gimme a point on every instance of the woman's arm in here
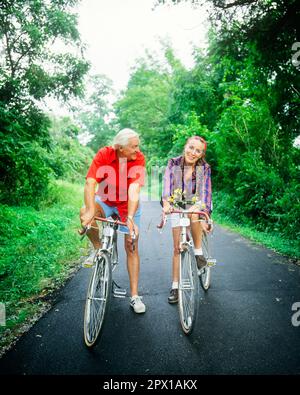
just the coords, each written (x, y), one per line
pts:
(167, 182)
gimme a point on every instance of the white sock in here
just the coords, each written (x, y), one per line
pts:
(198, 251)
(175, 285)
(134, 296)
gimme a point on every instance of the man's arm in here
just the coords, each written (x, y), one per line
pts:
(89, 200)
(133, 198)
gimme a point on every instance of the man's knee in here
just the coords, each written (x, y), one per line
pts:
(128, 246)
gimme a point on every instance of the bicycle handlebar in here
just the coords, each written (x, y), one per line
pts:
(82, 232)
(112, 221)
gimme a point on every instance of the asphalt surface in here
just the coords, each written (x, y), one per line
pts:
(244, 324)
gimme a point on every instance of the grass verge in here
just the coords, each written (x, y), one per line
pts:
(39, 250)
(224, 214)
(273, 241)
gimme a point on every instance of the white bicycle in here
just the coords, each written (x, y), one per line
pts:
(101, 284)
(188, 290)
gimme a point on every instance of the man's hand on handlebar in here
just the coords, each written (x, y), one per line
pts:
(87, 217)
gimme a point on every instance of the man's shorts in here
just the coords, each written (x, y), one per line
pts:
(109, 210)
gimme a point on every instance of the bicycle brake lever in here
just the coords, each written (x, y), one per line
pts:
(162, 222)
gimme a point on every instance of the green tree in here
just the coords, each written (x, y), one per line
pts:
(144, 106)
(30, 71)
(30, 68)
(269, 28)
(94, 111)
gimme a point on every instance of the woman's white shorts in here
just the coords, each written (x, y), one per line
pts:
(174, 220)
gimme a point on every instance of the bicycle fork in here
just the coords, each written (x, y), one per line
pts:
(185, 243)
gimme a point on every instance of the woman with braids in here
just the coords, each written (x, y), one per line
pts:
(188, 177)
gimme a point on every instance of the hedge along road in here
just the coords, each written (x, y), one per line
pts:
(245, 323)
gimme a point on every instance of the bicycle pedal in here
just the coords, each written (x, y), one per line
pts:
(211, 262)
(87, 265)
(119, 293)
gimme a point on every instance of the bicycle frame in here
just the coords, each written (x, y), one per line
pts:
(109, 232)
(108, 239)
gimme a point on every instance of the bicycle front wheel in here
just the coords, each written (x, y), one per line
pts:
(205, 275)
(98, 299)
(188, 297)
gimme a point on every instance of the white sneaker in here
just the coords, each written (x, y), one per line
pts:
(137, 304)
(89, 262)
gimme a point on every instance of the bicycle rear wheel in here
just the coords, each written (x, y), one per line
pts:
(188, 291)
(205, 275)
(98, 299)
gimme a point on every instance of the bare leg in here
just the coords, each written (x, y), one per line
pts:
(133, 264)
(176, 253)
(197, 231)
(93, 234)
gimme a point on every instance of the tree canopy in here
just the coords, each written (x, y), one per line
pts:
(30, 71)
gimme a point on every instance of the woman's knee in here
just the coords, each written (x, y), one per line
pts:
(176, 250)
(194, 217)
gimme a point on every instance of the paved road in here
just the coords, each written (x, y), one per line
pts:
(244, 325)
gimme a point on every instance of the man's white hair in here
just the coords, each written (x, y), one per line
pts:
(122, 138)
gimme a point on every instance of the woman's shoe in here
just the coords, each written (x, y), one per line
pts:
(173, 298)
(201, 261)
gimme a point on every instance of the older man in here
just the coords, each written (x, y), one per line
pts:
(119, 173)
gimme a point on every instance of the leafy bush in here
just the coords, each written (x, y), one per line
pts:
(256, 187)
(260, 197)
(288, 210)
(27, 166)
(25, 172)
(69, 160)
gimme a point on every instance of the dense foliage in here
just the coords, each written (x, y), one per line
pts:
(243, 96)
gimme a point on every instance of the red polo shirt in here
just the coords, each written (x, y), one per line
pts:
(114, 176)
